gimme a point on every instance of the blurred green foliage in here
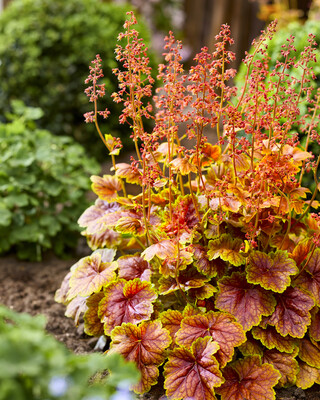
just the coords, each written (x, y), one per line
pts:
(43, 184)
(35, 366)
(45, 51)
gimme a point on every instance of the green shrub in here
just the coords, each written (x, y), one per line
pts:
(43, 182)
(45, 49)
(35, 366)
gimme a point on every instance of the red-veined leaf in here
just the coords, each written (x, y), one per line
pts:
(249, 379)
(285, 363)
(92, 324)
(90, 275)
(126, 301)
(164, 249)
(247, 302)
(270, 338)
(272, 271)
(251, 346)
(183, 166)
(171, 320)
(130, 225)
(187, 279)
(194, 373)
(131, 267)
(301, 251)
(227, 248)
(309, 352)
(291, 315)
(307, 375)
(145, 345)
(201, 261)
(222, 327)
(310, 277)
(204, 292)
(106, 187)
(314, 328)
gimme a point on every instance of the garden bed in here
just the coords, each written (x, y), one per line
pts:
(30, 287)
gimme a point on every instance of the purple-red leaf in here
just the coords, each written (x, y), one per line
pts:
(222, 327)
(247, 302)
(145, 345)
(292, 313)
(164, 249)
(249, 379)
(131, 267)
(126, 301)
(272, 271)
(270, 338)
(193, 373)
(285, 363)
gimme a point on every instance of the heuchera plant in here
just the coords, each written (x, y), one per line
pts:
(214, 268)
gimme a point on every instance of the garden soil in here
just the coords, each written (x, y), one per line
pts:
(30, 287)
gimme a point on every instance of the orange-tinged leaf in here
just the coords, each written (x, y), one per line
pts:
(201, 261)
(297, 155)
(222, 327)
(251, 347)
(203, 292)
(291, 315)
(307, 375)
(163, 249)
(301, 251)
(187, 279)
(106, 187)
(247, 302)
(194, 373)
(249, 379)
(145, 345)
(183, 166)
(126, 301)
(270, 338)
(310, 277)
(272, 271)
(90, 275)
(134, 266)
(130, 225)
(171, 320)
(227, 248)
(285, 363)
(92, 324)
(129, 173)
(309, 352)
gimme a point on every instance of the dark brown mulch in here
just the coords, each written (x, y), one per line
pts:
(30, 287)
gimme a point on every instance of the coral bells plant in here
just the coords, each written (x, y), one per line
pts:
(211, 272)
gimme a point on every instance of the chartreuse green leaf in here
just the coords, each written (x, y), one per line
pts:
(126, 301)
(247, 302)
(193, 373)
(285, 363)
(272, 271)
(249, 379)
(227, 248)
(222, 327)
(292, 313)
(310, 277)
(145, 345)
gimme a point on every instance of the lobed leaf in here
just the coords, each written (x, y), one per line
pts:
(314, 328)
(187, 279)
(201, 261)
(249, 379)
(164, 249)
(126, 301)
(106, 187)
(171, 320)
(222, 327)
(285, 363)
(291, 315)
(130, 174)
(309, 352)
(145, 345)
(92, 323)
(90, 275)
(307, 375)
(247, 302)
(134, 266)
(227, 248)
(301, 251)
(193, 373)
(270, 338)
(310, 277)
(272, 271)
